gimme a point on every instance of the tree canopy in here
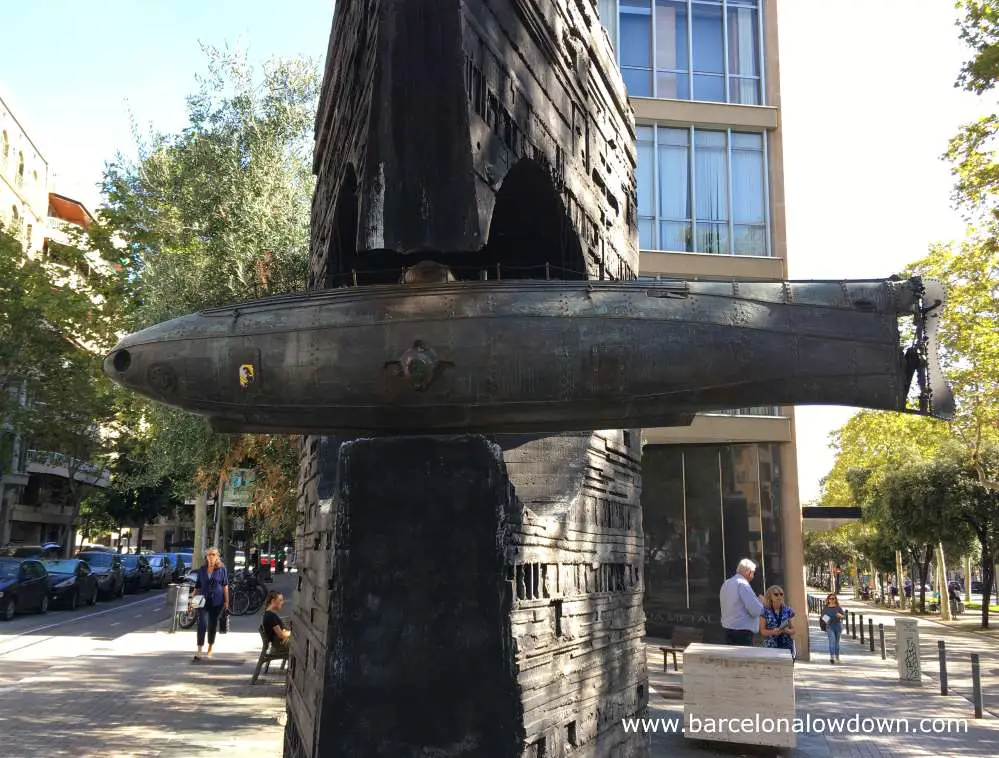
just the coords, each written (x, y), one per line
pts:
(922, 482)
(214, 214)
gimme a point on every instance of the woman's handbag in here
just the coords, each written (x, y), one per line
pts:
(224, 621)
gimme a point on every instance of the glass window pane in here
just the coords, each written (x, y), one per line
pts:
(676, 236)
(674, 182)
(705, 560)
(772, 501)
(708, 39)
(645, 178)
(636, 38)
(664, 522)
(608, 17)
(671, 136)
(743, 42)
(638, 81)
(710, 176)
(743, 90)
(750, 240)
(748, 187)
(741, 510)
(709, 138)
(712, 238)
(709, 87)
(672, 86)
(671, 35)
(644, 132)
(745, 140)
(646, 233)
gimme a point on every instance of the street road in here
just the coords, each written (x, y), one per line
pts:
(33, 642)
(111, 680)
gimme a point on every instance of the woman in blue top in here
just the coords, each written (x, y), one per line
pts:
(775, 623)
(833, 616)
(213, 583)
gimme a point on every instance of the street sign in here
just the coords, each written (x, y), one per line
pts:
(239, 488)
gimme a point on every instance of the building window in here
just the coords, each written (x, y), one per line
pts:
(4, 147)
(702, 191)
(688, 49)
(20, 169)
(705, 507)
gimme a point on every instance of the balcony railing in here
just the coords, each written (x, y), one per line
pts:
(65, 463)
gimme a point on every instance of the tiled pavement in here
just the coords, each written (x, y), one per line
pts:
(862, 685)
(141, 695)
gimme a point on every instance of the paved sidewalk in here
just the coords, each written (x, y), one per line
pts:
(142, 695)
(862, 685)
(960, 641)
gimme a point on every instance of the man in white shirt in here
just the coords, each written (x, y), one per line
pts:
(741, 608)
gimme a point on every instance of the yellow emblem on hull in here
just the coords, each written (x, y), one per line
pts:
(246, 375)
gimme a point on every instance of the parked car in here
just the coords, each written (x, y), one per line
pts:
(107, 569)
(39, 552)
(97, 549)
(71, 582)
(24, 586)
(138, 574)
(177, 563)
(161, 570)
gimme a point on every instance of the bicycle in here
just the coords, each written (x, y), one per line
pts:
(247, 595)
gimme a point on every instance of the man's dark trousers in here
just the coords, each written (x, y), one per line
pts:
(742, 637)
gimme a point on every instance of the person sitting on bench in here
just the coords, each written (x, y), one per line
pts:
(280, 638)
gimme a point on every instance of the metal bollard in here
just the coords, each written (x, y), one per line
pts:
(861, 628)
(942, 655)
(853, 625)
(881, 634)
(870, 633)
(976, 685)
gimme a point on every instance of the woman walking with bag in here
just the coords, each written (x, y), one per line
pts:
(831, 622)
(213, 584)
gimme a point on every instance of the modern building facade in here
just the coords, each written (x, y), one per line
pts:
(703, 81)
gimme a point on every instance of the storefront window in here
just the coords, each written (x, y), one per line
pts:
(705, 507)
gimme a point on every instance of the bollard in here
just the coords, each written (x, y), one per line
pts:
(861, 628)
(942, 655)
(853, 625)
(976, 685)
(881, 634)
(870, 633)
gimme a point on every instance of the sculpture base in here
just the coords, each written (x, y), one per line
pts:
(417, 654)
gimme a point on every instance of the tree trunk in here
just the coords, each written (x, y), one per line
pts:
(967, 579)
(138, 539)
(988, 576)
(943, 584)
(924, 571)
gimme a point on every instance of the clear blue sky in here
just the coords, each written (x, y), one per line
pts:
(867, 98)
(73, 71)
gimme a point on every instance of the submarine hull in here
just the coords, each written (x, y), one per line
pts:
(526, 356)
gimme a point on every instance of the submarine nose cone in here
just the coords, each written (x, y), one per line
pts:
(117, 364)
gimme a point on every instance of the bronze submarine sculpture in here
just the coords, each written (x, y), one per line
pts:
(534, 356)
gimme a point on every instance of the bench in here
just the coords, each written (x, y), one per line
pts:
(268, 654)
(728, 690)
(682, 636)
